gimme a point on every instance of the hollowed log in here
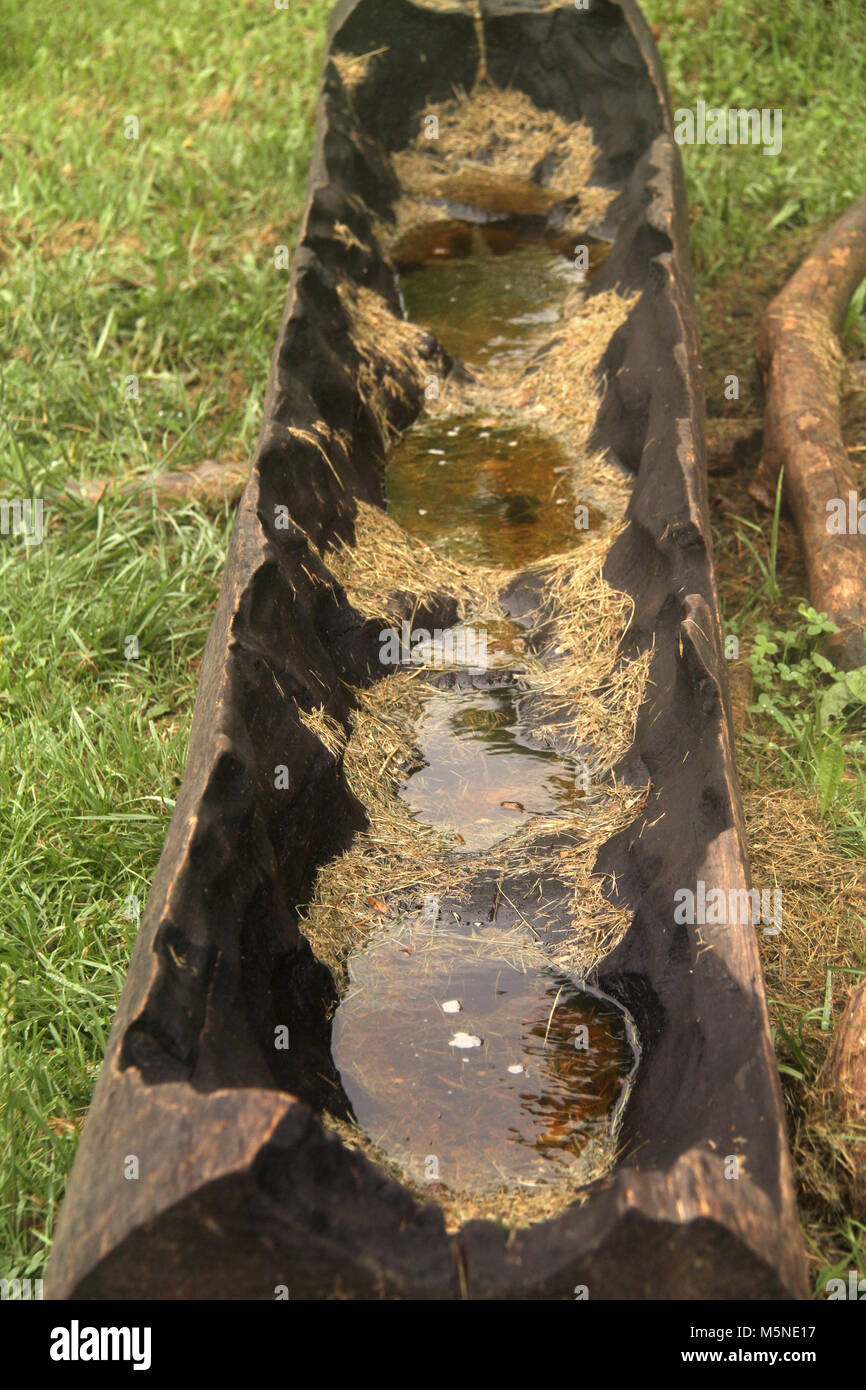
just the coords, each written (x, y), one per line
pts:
(241, 1189)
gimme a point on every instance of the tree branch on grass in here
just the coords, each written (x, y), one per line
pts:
(801, 362)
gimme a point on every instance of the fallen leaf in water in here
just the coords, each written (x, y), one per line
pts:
(513, 805)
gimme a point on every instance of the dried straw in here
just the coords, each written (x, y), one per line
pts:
(488, 152)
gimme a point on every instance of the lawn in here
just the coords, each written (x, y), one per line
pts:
(141, 302)
(153, 259)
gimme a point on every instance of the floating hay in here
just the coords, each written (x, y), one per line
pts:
(580, 695)
(585, 699)
(398, 862)
(386, 561)
(562, 383)
(488, 151)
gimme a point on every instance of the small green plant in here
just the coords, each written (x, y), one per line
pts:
(767, 567)
(849, 688)
(828, 771)
(806, 697)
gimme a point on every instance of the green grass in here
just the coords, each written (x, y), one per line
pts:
(153, 258)
(91, 748)
(805, 57)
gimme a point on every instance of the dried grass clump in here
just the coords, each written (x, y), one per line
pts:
(489, 145)
(810, 969)
(329, 731)
(587, 700)
(390, 351)
(396, 858)
(562, 384)
(353, 68)
(385, 560)
(791, 849)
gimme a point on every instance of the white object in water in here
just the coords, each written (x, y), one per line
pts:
(452, 1006)
(465, 1040)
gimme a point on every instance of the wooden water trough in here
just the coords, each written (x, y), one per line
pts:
(205, 1168)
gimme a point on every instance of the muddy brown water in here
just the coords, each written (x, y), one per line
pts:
(482, 776)
(467, 1058)
(473, 1067)
(483, 492)
(488, 308)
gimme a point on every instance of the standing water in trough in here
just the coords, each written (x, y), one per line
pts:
(489, 309)
(484, 489)
(483, 493)
(482, 775)
(468, 1057)
(477, 1054)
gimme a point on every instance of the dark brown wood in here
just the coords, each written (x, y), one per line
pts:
(240, 1186)
(801, 362)
(847, 1082)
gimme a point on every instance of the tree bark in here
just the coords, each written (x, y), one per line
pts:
(801, 362)
(209, 482)
(848, 1083)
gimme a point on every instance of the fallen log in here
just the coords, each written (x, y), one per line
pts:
(801, 363)
(210, 483)
(206, 1168)
(847, 1085)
